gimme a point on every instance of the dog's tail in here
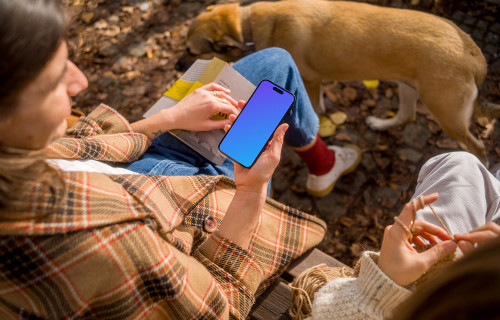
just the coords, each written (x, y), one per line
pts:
(486, 108)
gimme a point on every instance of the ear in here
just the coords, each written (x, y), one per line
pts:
(227, 41)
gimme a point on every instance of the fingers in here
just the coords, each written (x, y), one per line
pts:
(427, 229)
(480, 234)
(215, 87)
(220, 92)
(276, 143)
(466, 246)
(490, 226)
(407, 216)
(408, 211)
(226, 108)
(241, 104)
(437, 252)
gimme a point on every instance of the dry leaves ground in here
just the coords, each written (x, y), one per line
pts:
(128, 50)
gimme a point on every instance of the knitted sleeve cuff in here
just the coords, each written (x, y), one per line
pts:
(372, 295)
(381, 292)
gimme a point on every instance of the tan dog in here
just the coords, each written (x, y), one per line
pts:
(430, 57)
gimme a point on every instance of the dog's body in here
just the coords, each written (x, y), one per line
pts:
(430, 57)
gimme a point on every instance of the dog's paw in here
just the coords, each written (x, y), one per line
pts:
(380, 124)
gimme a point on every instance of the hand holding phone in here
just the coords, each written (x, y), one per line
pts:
(256, 123)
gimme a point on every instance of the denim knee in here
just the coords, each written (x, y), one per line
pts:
(278, 57)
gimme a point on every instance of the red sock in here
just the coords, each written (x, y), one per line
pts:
(319, 159)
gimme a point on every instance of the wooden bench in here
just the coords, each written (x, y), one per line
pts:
(276, 300)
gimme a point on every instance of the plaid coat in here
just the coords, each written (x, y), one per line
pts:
(133, 246)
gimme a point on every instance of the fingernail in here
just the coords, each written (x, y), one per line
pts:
(450, 246)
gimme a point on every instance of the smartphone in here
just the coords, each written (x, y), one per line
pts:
(268, 105)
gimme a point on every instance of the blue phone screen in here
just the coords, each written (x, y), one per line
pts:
(256, 123)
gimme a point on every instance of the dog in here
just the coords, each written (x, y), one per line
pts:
(428, 56)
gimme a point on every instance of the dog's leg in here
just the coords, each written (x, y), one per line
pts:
(452, 105)
(313, 89)
(408, 97)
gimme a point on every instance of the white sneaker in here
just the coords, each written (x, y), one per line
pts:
(346, 160)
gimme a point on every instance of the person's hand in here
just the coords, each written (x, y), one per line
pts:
(468, 241)
(262, 170)
(399, 260)
(245, 209)
(194, 112)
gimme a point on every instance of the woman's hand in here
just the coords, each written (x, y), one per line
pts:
(402, 263)
(194, 112)
(243, 213)
(262, 170)
(468, 241)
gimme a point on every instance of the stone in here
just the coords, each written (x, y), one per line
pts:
(416, 135)
(458, 16)
(368, 162)
(408, 154)
(291, 199)
(386, 196)
(108, 49)
(331, 205)
(138, 49)
(492, 38)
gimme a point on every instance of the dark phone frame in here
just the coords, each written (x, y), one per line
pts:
(275, 88)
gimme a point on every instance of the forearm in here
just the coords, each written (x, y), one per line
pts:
(155, 125)
(243, 215)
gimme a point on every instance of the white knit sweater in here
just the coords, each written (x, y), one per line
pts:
(372, 295)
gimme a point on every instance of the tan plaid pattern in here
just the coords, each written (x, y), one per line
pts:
(133, 246)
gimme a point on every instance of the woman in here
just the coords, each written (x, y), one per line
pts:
(88, 244)
(469, 206)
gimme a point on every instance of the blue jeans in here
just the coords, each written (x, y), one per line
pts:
(168, 156)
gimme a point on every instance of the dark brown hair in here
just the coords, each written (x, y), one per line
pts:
(30, 33)
(467, 289)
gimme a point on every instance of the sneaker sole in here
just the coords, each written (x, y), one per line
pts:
(324, 192)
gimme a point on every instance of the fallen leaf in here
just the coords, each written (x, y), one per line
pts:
(489, 129)
(333, 96)
(372, 238)
(371, 84)
(150, 53)
(363, 220)
(297, 188)
(415, 2)
(342, 136)
(87, 17)
(433, 127)
(369, 102)
(128, 9)
(326, 127)
(483, 121)
(346, 221)
(389, 93)
(356, 250)
(338, 118)
(350, 93)
(340, 247)
(447, 143)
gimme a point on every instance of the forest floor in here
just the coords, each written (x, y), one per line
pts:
(128, 50)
